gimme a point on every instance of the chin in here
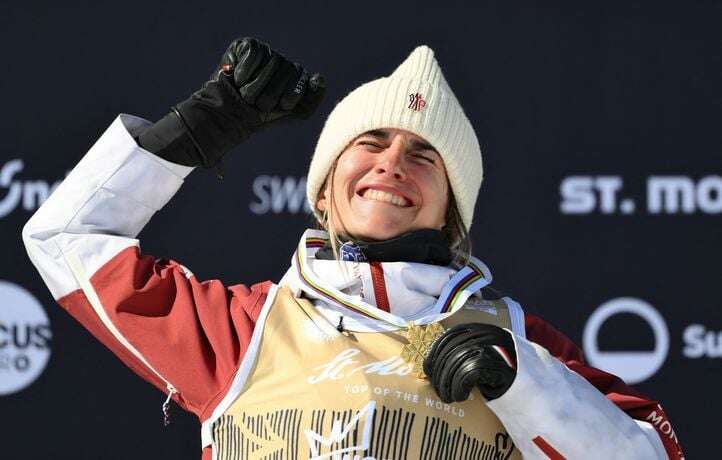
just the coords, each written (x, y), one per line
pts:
(377, 222)
(380, 231)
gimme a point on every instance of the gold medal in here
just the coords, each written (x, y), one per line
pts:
(420, 340)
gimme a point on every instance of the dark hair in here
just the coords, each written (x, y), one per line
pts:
(456, 233)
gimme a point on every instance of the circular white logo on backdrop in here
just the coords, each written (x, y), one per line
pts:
(631, 366)
(24, 338)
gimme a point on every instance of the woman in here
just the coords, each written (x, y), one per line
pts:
(384, 339)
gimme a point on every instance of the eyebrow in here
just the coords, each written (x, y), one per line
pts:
(415, 144)
(377, 133)
(423, 145)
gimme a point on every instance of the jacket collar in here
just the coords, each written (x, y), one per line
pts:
(417, 292)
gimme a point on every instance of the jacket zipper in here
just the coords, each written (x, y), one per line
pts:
(166, 404)
(78, 270)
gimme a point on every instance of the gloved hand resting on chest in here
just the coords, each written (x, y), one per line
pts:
(469, 355)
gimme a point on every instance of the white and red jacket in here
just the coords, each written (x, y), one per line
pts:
(189, 337)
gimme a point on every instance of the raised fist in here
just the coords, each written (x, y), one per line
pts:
(253, 88)
(268, 81)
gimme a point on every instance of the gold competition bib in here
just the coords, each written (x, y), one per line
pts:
(315, 393)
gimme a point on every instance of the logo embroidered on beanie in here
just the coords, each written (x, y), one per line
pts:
(416, 102)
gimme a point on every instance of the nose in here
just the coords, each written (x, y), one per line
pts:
(391, 162)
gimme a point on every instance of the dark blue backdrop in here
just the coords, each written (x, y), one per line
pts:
(601, 140)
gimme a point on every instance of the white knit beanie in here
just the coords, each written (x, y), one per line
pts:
(416, 98)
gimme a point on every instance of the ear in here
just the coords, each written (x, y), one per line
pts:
(321, 201)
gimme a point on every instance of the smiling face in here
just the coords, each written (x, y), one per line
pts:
(387, 182)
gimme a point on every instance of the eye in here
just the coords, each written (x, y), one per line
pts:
(370, 144)
(423, 157)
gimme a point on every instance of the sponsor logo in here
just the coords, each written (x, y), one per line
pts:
(587, 194)
(277, 195)
(701, 343)
(680, 195)
(660, 421)
(28, 194)
(664, 195)
(416, 102)
(632, 366)
(25, 337)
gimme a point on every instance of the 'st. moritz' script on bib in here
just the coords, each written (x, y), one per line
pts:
(343, 365)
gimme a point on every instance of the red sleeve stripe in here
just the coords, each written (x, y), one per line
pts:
(545, 447)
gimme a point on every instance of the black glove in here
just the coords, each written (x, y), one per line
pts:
(469, 355)
(254, 87)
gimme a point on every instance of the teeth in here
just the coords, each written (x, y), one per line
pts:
(386, 197)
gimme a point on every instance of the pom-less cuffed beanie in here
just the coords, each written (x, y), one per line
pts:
(416, 98)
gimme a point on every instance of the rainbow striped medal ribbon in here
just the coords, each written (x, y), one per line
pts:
(421, 332)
